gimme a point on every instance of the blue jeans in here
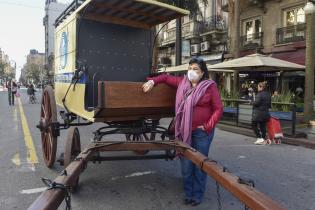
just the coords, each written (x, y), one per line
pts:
(194, 178)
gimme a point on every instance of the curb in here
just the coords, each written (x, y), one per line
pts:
(286, 140)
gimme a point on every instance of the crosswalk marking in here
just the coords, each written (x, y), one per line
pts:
(31, 152)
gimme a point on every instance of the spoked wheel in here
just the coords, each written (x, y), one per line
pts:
(72, 150)
(48, 115)
(143, 137)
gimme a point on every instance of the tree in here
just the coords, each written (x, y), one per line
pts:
(2, 67)
(31, 73)
(191, 5)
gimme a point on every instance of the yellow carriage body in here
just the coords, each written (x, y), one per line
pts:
(113, 39)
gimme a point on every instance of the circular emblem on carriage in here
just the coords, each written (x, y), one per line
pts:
(63, 50)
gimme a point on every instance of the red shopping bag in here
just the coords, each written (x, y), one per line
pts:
(17, 95)
(274, 128)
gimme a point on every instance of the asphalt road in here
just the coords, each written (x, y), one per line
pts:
(285, 173)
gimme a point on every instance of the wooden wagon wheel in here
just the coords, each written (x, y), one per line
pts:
(48, 114)
(72, 150)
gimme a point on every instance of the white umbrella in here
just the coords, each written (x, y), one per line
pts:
(257, 62)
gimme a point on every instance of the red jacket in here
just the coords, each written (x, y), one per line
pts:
(208, 110)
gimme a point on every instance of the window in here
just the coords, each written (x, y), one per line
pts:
(252, 28)
(294, 17)
(293, 26)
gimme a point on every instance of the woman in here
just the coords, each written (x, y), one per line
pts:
(198, 109)
(261, 115)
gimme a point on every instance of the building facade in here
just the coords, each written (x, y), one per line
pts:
(204, 35)
(34, 69)
(34, 57)
(273, 27)
(53, 9)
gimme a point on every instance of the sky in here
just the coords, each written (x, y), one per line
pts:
(21, 28)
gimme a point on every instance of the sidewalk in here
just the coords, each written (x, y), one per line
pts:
(308, 142)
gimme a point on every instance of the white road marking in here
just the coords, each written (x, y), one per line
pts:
(241, 157)
(32, 191)
(140, 174)
(133, 175)
(16, 159)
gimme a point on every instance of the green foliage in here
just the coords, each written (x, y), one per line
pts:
(2, 68)
(227, 98)
(191, 5)
(31, 72)
(288, 97)
(6, 71)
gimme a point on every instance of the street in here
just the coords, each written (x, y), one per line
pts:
(283, 172)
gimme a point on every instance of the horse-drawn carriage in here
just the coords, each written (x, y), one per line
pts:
(103, 54)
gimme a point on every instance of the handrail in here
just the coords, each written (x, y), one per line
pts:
(291, 33)
(252, 41)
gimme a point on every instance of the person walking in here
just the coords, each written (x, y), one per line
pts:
(31, 94)
(198, 108)
(261, 114)
(12, 89)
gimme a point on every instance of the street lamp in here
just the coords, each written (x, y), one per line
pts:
(309, 10)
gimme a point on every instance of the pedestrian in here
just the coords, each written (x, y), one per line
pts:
(12, 89)
(31, 94)
(198, 109)
(261, 115)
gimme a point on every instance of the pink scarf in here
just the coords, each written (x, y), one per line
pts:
(186, 98)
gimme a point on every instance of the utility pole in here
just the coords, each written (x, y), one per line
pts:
(236, 41)
(178, 43)
(309, 60)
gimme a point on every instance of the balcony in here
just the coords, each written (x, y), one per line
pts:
(214, 23)
(191, 29)
(168, 37)
(252, 41)
(290, 34)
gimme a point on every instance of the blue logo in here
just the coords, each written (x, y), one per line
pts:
(63, 50)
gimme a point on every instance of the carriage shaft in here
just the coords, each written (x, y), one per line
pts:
(51, 199)
(252, 198)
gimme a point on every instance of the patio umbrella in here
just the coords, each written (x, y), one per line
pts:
(257, 62)
(184, 67)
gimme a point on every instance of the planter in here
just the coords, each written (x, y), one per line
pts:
(245, 113)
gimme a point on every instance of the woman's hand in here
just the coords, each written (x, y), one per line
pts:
(146, 87)
(201, 127)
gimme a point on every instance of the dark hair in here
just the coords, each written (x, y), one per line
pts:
(262, 85)
(202, 65)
